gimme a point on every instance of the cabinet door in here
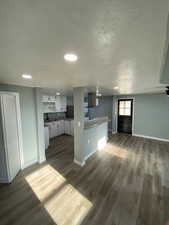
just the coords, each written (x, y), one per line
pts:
(58, 104)
(53, 130)
(46, 134)
(62, 127)
(64, 103)
(52, 98)
(72, 128)
(48, 99)
(44, 98)
(59, 132)
(67, 127)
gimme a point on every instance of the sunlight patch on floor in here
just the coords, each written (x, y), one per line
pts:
(115, 151)
(64, 203)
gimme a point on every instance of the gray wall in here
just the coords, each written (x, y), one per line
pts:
(93, 138)
(104, 109)
(78, 96)
(28, 116)
(151, 116)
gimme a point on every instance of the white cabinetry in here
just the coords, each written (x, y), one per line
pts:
(60, 127)
(46, 133)
(51, 127)
(72, 127)
(54, 103)
(58, 104)
(47, 98)
(55, 129)
(63, 103)
(67, 127)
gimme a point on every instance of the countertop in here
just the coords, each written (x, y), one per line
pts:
(87, 124)
(50, 121)
(95, 122)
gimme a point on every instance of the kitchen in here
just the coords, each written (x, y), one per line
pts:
(58, 114)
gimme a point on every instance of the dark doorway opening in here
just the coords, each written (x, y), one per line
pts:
(125, 115)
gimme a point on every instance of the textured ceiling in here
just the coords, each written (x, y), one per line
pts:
(119, 43)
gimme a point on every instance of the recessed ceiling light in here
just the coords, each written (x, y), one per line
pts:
(27, 76)
(116, 88)
(57, 93)
(70, 57)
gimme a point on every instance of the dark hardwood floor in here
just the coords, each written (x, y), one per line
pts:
(127, 183)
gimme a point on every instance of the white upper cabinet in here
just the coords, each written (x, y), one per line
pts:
(54, 103)
(63, 103)
(58, 103)
(47, 98)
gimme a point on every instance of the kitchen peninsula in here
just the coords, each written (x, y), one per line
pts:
(95, 136)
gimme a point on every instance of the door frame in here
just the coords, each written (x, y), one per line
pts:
(116, 112)
(19, 123)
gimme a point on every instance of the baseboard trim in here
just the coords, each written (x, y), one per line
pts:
(150, 137)
(90, 154)
(4, 181)
(42, 160)
(30, 163)
(79, 163)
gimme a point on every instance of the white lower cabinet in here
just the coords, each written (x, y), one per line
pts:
(72, 127)
(56, 129)
(67, 127)
(50, 125)
(60, 127)
(46, 133)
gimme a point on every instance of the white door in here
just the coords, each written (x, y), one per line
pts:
(11, 135)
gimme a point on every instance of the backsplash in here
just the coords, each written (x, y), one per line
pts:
(53, 116)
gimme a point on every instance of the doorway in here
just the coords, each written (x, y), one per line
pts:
(125, 116)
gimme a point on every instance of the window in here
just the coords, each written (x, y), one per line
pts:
(125, 108)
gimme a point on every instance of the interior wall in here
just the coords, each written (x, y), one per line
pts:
(28, 117)
(151, 115)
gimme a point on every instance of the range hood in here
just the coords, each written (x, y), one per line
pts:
(92, 100)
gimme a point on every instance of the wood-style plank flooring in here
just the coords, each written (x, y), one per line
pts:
(127, 183)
